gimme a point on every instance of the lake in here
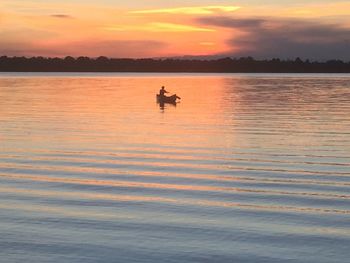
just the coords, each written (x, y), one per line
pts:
(246, 168)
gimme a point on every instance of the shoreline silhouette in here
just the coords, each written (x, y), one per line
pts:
(221, 65)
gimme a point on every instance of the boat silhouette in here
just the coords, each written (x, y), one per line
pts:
(167, 99)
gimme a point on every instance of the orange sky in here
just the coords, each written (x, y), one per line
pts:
(155, 29)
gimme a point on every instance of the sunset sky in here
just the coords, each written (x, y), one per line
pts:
(315, 29)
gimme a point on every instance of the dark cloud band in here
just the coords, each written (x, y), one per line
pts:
(285, 38)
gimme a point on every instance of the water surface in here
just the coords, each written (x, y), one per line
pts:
(246, 168)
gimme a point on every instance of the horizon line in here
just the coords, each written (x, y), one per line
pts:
(185, 57)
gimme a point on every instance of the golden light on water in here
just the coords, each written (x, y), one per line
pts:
(93, 157)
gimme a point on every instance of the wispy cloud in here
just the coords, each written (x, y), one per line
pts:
(285, 38)
(160, 27)
(61, 16)
(194, 10)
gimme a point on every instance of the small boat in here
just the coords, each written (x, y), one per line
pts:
(167, 99)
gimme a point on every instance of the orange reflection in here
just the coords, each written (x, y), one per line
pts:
(111, 110)
(135, 198)
(181, 187)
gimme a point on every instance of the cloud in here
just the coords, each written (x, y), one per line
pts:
(109, 48)
(222, 21)
(285, 38)
(194, 10)
(159, 27)
(61, 16)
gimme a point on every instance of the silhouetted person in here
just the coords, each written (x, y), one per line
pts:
(162, 91)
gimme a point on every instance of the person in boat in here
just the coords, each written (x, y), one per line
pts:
(162, 92)
(164, 98)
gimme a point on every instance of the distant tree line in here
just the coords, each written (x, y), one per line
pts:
(224, 65)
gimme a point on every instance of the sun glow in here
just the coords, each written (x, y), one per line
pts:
(137, 30)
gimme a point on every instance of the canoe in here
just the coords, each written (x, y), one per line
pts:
(167, 99)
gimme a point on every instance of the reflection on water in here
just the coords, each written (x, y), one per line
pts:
(162, 104)
(246, 168)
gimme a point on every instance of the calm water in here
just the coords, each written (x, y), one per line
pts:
(247, 168)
